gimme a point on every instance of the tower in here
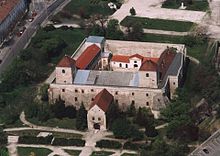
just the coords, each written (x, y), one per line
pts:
(65, 70)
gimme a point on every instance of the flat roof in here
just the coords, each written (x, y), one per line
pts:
(107, 78)
(95, 39)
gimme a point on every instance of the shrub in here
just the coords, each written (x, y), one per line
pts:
(68, 142)
(35, 140)
(132, 11)
(108, 144)
(131, 146)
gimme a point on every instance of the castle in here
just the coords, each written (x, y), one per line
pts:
(140, 73)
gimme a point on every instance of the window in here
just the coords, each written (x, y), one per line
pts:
(126, 65)
(116, 93)
(93, 118)
(147, 94)
(116, 100)
(135, 65)
(82, 91)
(76, 90)
(158, 100)
(92, 90)
(76, 99)
(63, 71)
(92, 99)
(132, 102)
(120, 65)
(64, 81)
(147, 74)
(147, 103)
(132, 94)
(135, 61)
(63, 90)
(174, 83)
(99, 118)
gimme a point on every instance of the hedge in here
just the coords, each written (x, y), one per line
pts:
(108, 144)
(35, 140)
(131, 146)
(68, 142)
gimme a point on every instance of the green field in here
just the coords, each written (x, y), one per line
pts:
(158, 24)
(54, 122)
(202, 5)
(86, 8)
(27, 151)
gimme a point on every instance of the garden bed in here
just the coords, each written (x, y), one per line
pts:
(159, 24)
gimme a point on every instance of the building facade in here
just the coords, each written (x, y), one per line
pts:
(10, 12)
(147, 82)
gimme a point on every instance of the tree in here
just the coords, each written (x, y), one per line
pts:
(131, 110)
(132, 11)
(81, 118)
(150, 131)
(135, 31)
(113, 30)
(58, 108)
(3, 138)
(122, 128)
(112, 113)
(181, 126)
(44, 92)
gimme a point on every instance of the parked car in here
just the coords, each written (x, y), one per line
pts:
(30, 19)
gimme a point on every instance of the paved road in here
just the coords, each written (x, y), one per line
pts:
(32, 27)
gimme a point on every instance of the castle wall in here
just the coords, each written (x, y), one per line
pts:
(78, 94)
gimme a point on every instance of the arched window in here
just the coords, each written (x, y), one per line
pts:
(120, 65)
(135, 65)
(63, 71)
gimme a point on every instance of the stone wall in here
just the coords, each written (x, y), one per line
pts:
(78, 94)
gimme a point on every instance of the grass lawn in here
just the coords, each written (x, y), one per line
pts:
(73, 152)
(24, 133)
(128, 154)
(196, 5)
(86, 8)
(67, 135)
(101, 153)
(159, 24)
(27, 151)
(61, 123)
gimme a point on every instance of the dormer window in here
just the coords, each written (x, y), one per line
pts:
(63, 71)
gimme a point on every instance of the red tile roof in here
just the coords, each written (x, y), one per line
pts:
(120, 58)
(87, 56)
(66, 61)
(6, 6)
(166, 58)
(148, 65)
(137, 55)
(103, 99)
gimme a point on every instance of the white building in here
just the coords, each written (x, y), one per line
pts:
(96, 116)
